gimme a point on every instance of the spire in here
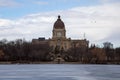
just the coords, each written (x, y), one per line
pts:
(58, 16)
(84, 36)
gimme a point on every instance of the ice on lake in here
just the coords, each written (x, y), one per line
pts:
(59, 72)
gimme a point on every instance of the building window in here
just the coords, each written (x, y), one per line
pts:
(59, 34)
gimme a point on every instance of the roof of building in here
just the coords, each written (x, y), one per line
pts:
(59, 24)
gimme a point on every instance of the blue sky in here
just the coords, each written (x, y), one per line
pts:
(98, 19)
(18, 8)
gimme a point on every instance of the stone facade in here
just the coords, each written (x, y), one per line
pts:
(59, 38)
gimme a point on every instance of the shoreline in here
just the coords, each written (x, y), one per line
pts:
(52, 62)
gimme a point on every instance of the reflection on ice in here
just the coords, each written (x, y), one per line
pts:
(59, 72)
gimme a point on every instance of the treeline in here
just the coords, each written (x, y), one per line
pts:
(95, 55)
(23, 51)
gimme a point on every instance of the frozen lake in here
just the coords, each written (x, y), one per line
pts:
(59, 72)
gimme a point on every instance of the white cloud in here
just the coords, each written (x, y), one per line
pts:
(8, 3)
(100, 23)
(5, 22)
(108, 1)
